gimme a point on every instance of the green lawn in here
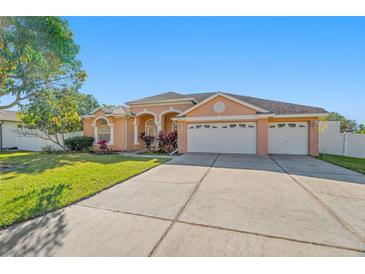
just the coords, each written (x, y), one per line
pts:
(355, 164)
(44, 182)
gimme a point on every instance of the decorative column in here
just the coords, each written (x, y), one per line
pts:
(135, 131)
(159, 127)
(111, 128)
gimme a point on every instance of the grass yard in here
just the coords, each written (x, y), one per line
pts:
(39, 183)
(355, 164)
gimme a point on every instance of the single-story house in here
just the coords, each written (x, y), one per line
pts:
(11, 137)
(211, 122)
(8, 126)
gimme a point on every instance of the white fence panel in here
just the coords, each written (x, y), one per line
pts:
(13, 138)
(331, 143)
(9, 134)
(356, 145)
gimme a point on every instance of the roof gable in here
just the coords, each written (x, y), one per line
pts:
(236, 107)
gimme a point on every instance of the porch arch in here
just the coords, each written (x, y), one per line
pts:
(170, 110)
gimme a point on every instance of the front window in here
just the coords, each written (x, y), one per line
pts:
(103, 130)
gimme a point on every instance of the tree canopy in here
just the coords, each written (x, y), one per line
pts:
(37, 54)
(55, 113)
(346, 125)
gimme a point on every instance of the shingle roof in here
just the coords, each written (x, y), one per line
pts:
(163, 96)
(118, 110)
(271, 106)
(278, 107)
(8, 115)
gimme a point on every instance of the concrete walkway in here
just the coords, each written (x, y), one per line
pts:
(209, 205)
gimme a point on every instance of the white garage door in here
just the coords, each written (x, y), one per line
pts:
(288, 138)
(222, 137)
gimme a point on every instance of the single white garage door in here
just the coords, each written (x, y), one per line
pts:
(288, 138)
(222, 137)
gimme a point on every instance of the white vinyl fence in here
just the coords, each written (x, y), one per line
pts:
(331, 141)
(12, 138)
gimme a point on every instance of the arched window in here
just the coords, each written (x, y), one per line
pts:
(150, 127)
(103, 130)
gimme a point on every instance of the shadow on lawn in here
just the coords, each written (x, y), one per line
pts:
(39, 162)
(40, 236)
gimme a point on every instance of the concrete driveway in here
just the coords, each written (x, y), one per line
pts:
(209, 205)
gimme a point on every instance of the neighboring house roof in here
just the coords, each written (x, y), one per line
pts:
(271, 106)
(8, 115)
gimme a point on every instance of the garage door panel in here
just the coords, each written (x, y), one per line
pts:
(288, 138)
(222, 137)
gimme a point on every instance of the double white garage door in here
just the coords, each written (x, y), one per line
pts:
(284, 138)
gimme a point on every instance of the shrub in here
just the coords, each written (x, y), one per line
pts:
(167, 142)
(148, 140)
(79, 143)
(103, 146)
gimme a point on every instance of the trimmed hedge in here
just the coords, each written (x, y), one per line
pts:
(79, 143)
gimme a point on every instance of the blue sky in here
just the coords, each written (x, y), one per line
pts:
(307, 60)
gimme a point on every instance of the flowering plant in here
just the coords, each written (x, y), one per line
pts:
(167, 142)
(103, 146)
(148, 140)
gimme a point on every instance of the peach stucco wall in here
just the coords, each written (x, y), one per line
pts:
(262, 137)
(313, 137)
(119, 130)
(88, 130)
(232, 108)
(182, 133)
(124, 127)
(313, 131)
(262, 134)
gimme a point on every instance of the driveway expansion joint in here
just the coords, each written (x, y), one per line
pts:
(225, 229)
(178, 214)
(126, 212)
(332, 212)
(272, 236)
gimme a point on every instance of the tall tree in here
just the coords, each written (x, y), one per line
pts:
(37, 54)
(53, 113)
(361, 129)
(346, 125)
(87, 104)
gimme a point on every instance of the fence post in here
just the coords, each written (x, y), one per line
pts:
(345, 144)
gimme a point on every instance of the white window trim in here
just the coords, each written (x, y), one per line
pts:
(135, 131)
(95, 127)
